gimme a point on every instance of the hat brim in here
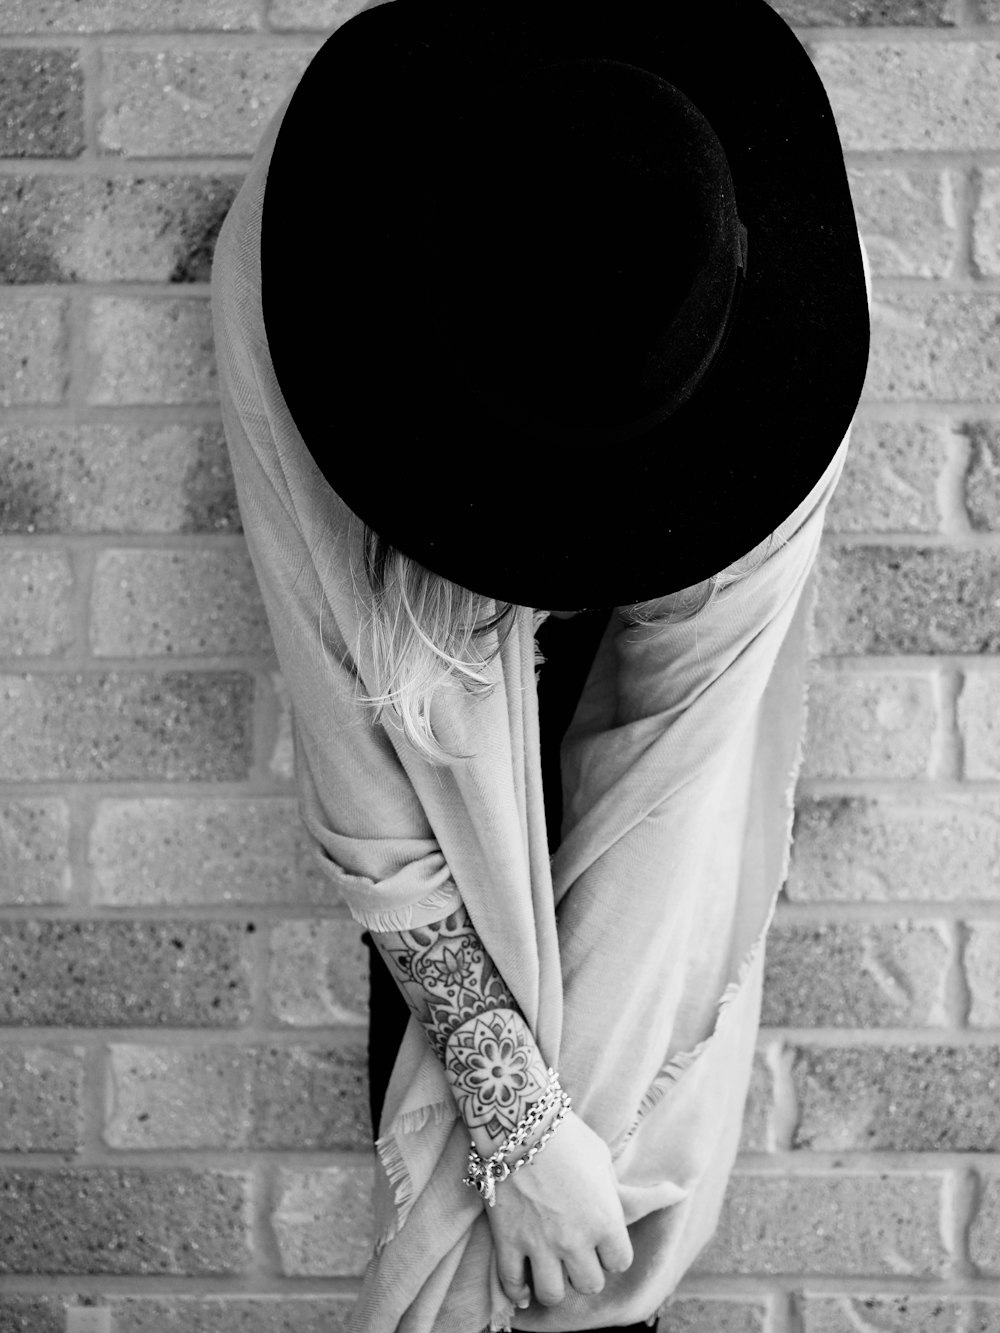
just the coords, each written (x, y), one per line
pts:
(411, 448)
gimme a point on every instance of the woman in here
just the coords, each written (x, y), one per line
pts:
(518, 314)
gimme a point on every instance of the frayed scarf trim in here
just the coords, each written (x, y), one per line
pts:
(672, 1071)
(387, 1146)
(443, 900)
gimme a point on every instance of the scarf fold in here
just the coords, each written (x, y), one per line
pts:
(636, 952)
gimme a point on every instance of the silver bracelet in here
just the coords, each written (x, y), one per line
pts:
(485, 1173)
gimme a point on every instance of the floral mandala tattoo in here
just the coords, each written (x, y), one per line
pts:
(493, 1069)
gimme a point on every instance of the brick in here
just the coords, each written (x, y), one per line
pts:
(853, 974)
(195, 102)
(322, 1222)
(757, 1111)
(986, 221)
(115, 229)
(125, 1221)
(905, 600)
(149, 603)
(829, 1224)
(150, 350)
(56, 16)
(36, 603)
(171, 478)
(34, 851)
(978, 724)
(897, 1099)
(239, 1097)
(318, 973)
(981, 974)
(908, 219)
(984, 1316)
(32, 1314)
(984, 1230)
(144, 852)
(691, 1314)
(982, 479)
(867, 725)
(40, 1090)
(944, 848)
(34, 351)
(174, 726)
(41, 103)
(125, 973)
(869, 13)
(907, 1313)
(926, 96)
(324, 15)
(934, 346)
(989, 10)
(230, 1314)
(890, 478)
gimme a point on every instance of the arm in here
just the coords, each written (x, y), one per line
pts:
(562, 1209)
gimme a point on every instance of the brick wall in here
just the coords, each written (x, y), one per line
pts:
(184, 1142)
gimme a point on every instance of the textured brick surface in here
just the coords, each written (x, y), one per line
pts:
(116, 478)
(982, 948)
(196, 102)
(982, 479)
(757, 1110)
(41, 103)
(173, 726)
(204, 851)
(123, 1221)
(984, 1233)
(979, 724)
(35, 603)
(852, 849)
(831, 1224)
(869, 726)
(929, 96)
(889, 482)
(34, 364)
(239, 1097)
(322, 1221)
(691, 1314)
(52, 16)
(148, 350)
(986, 222)
(34, 851)
(984, 1316)
(897, 1099)
(894, 599)
(908, 219)
(853, 974)
(934, 346)
(40, 1099)
(87, 229)
(318, 973)
(125, 973)
(32, 1314)
(908, 1313)
(324, 15)
(151, 603)
(231, 1314)
(869, 13)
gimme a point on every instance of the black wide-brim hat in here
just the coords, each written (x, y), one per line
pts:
(566, 300)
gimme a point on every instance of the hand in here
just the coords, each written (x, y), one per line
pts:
(563, 1208)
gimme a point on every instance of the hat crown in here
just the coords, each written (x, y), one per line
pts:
(583, 243)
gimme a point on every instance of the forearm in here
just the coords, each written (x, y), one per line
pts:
(472, 1021)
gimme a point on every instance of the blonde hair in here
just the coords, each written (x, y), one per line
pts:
(426, 633)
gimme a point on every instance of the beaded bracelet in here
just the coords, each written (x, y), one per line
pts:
(485, 1173)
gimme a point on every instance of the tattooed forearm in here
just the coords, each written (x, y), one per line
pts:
(472, 1021)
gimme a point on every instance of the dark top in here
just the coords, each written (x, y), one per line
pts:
(569, 648)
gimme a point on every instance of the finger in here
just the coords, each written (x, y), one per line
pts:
(616, 1253)
(512, 1267)
(585, 1273)
(547, 1280)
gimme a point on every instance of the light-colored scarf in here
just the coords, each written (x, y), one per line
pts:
(636, 954)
